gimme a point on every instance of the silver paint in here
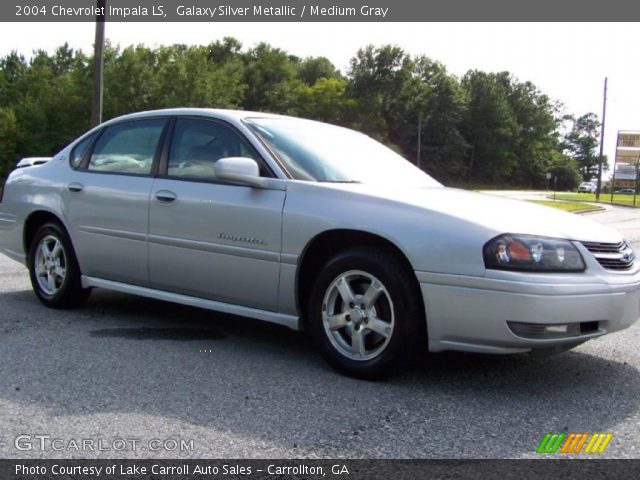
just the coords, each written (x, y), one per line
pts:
(127, 239)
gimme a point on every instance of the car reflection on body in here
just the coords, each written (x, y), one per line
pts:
(314, 227)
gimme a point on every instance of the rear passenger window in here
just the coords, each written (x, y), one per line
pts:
(198, 144)
(77, 154)
(127, 147)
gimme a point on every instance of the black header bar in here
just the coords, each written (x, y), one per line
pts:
(318, 469)
(319, 10)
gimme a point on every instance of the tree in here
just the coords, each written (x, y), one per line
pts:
(8, 144)
(489, 126)
(440, 106)
(130, 80)
(581, 144)
(13, 68)
(483, 128)
(380, 82)
(324, 100)
(312, 69)
(536, 143)
(265, 68)
(224, 51)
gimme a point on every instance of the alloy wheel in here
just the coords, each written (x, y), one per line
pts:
(50, 265)
(358, 315)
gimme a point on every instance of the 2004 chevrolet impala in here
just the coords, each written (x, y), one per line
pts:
(311, 226)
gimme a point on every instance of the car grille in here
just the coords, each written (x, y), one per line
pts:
(612, 256)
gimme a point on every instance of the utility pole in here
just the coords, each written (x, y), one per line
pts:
(98, 66)
(604, 114)
(419, 138)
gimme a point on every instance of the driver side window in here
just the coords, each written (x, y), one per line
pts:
(198, 144)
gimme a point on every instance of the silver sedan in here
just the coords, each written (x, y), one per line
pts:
(314, 227)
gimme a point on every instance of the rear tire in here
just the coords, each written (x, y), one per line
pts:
(365, 314)
(53, 268)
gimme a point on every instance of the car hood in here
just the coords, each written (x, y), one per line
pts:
(496, 213)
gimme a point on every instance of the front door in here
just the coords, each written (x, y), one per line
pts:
(210, 239)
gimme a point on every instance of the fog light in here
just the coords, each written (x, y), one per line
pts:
(539, 331)
(557, 328)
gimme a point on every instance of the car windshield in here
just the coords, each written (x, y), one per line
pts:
(321, 152)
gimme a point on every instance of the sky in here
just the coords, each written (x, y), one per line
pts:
(567, 61)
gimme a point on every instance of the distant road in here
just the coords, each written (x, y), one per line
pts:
(624, 219)
(520, 194)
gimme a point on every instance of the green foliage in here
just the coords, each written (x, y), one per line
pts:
(266, 69)
(581, 143)
(8, 136)
(324, 100)
(441, 105)
(567, 206)
(313, 69)
(44, 103)
(482, 128)
(566, 171)
(490, 126)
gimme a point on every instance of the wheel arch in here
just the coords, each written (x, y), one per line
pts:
(34, 221)
(330, 242)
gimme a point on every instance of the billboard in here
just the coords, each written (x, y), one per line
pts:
(625, 169)
(629, 140)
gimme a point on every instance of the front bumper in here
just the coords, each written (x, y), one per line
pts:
(473, 313)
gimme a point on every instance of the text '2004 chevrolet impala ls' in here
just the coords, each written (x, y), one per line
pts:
(311, 226)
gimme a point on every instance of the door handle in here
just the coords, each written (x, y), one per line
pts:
(165, 196)
(75, 187)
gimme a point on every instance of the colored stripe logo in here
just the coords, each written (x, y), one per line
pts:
(574, 443)
(550, 442)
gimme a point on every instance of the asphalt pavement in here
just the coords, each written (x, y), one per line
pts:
(128, 377)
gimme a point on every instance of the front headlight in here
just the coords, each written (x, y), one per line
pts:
(525, 252)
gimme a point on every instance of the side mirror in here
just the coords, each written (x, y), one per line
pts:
(240, 170)
(245, 171)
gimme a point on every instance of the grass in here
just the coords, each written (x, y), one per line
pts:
(483, 186)
(566, 206)
(604, 198)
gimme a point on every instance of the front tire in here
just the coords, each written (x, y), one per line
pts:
(365, 314)
(53, 268)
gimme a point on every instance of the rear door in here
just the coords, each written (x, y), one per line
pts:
(106, 200)
(207, 238)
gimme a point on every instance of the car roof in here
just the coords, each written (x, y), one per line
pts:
(222, 114)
